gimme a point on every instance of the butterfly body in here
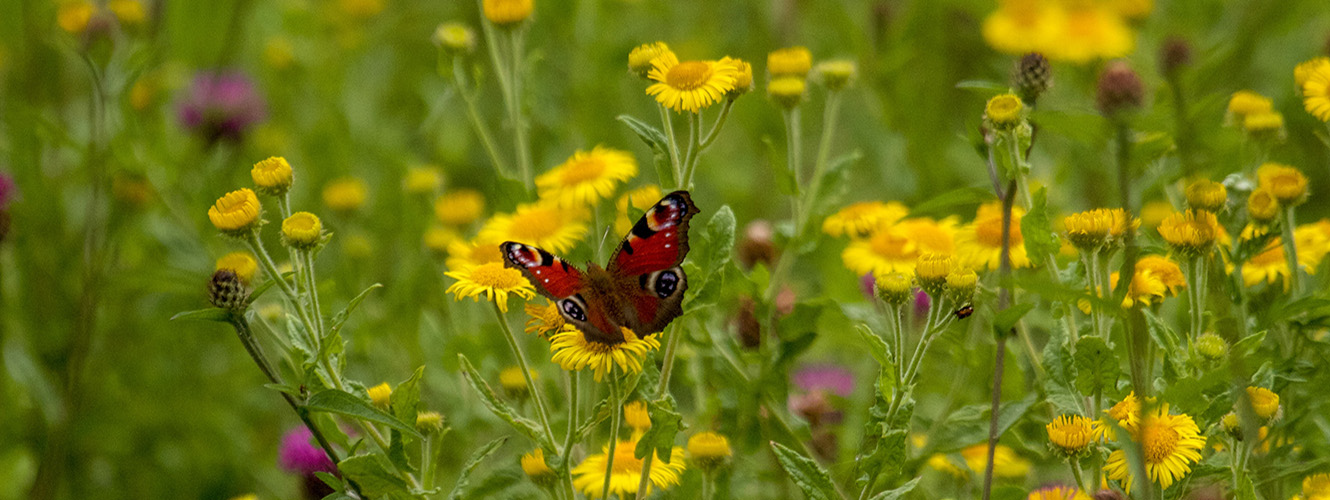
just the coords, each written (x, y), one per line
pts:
(642, 287)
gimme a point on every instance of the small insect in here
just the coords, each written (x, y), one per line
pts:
(965, 311)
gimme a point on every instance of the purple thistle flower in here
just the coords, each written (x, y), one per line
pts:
(866, 285)
(832, 378)
(921, 304)
(299, 454)
(221, 105)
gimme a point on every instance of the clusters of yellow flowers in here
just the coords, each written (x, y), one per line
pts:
(1065, 30)
(692, 85)
(1255, 114)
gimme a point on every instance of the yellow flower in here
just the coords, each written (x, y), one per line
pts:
(128, 11)
(932, 270)
(1269, 124)
(1091, 32)
(463, 254)
(1070, 434)
(790, 61)
(979, 244)
(357, 246)
(1316, 486)
(422, 180)
(1058, 493)
(1093, 228)
(1127, 413)
(1312, 242)
(961, 285)
(572, 351)
(272, 176)
(512, 380)
(1287, 183)
(894, 288)
(837, 74)
(1264, 402)
(1205, 194)
(743, 79)
(1163, 269)
(241, 263)
(533, 464)
(507, 12)
(708, 450)
(455, 37)
(459, 207)
(74, 16)
(1151, 283)
(493, 280)
(1004, 110)
(1192, 232)
(302, 230)
(1006, 463)
(1170, 442)
(1262, 206)
(690, 85)
(428, 422)
(587, 177)
(247, 496)
(344, 195)
(1021, 26)
(381, 395)
(236, 212)
(1132, 9)
(1316, 92)
(639, 60)
(641, 198)
(787, 91)
(942, 463)
(1304, 70)
(440, 239)
(896, 247)
(278, 53)
(545, 320)
(1231, 423)
(546, 225)
(637, 416)
(1153, 213)
(1246, 102)
(589, 476)
(858, 220)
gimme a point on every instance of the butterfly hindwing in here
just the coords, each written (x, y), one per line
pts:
(649, 258)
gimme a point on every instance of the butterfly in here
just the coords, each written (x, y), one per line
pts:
(641, 288)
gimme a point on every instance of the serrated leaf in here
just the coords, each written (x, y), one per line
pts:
(405, 397)
(598, 414)
(897, 493)
(1004, 322)
(347, 404)
(341, 317)
(720, 239)
(665, 426)
(877, 348)
(371, 476)
(1037, 229)
(1096, 365)
(500, 408)
(464, 479)
(806, 474)
(210, 314)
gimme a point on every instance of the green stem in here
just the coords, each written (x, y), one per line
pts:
(1291, 252)
(708, 488)
(616, 414)
(520, 139)
(792, 154)
(292, 295)
(1076, 473)
(665, 372)
(573, 410)
(526, 372)
(469, 97)
(676, 166)
(830, 113)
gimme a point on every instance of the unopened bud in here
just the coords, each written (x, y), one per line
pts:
(1175, 54)
(226, 291)
(1033, 76)
(1120, 89)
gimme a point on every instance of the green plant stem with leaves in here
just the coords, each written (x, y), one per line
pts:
(468, 93)
(508, 70)
(508, 335)
(1291, 251)
(1003, 301)
(570, 437)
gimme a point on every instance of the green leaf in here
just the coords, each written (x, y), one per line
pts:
(397, 452)
(598, 414)
(347, 404)
(265, 286)
(1096, 365)
(806, 474)
(665, 425)
(406, 397)
(719, 238)
(984, 86)
(500, 408)
(835, 182)
(210, 314)
(1004, 322)
(898, 492)
(1037, 229)
(373, 478)
(1248, 345)
(653, 137)
(785, 181)
(340, 318)
(464, 479)
(877, 348)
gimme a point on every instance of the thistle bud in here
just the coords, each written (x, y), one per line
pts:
(227, 292)
(429, 422)
(1032, 77)
(1120, 89)
(1174, 54)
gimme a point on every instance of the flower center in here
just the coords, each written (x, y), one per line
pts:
(989, 232)
(494, 275)
(1159, 441)
(583, 170)
(624, 461)
(892, 246)
(688, 75)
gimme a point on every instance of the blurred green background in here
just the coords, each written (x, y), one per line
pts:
(102, 397)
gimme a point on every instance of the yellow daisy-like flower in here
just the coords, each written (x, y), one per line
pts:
(74, 16)
(236, 212)
(302, 230)
(979, 244)
(743, 79)
(345, 195)
(545, 320)
(587, 177)
(589, 476)
(637, 416)
(1192, 232)
(492, 280)
(572, 351)
(1316, 92)
(512, 381)
(507, 12)
(1004, 110)
(1090, 32)
(272, 176)
(1316, 487)
(1262, 206)
(1288, 184)
(1165, 270)
(789, 61)
(1070, 434)
(1304, 70)
(1312, 242)
(858, 220)
(641, 198)
(895, 248)
(1021, 26)
(708, 450)
(381, 395)
(459, 207)
(1171, 444)
(942, 463)
(639, 60)
(241, 263)
(539, 472)
(1146, 288)
(546, 225)
(690, 85)
(1006, 463)
(1058, 493)
(463, 254)
(1127, 413)
(1205, 194)
(424, 179)
(1264, 402)
(1246, 102)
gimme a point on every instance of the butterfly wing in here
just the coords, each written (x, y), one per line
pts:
(566, 286)
(649, 257)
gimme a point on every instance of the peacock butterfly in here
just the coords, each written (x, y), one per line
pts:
(641, 288)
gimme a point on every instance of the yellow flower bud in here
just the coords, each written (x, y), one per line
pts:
(381, 395)
(1004, 111)
(743, 79)
(836, 75)
(272, 176)
(1287, 183)
(787, 91)
(241, 263)
(1205, 194)
(931, 270)
(455, 37)
(709, 450)
(961, 285)
(345, 195)
(302, 230)
(639, 60)
(1264, 402)
(235, 213)
(1191, 233)
(507, 13)
(791, 61)
(539, 472)
(428, 422)
(894, 288)
(1262, 206)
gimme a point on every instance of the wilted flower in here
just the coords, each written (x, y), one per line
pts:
(221, 105)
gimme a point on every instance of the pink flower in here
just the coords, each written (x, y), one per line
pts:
(298, 453)
(221, 105)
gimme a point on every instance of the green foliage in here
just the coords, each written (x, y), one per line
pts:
(343, 403)
(806, 474)
(500, 408)
(666, 423)
(464, 479)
